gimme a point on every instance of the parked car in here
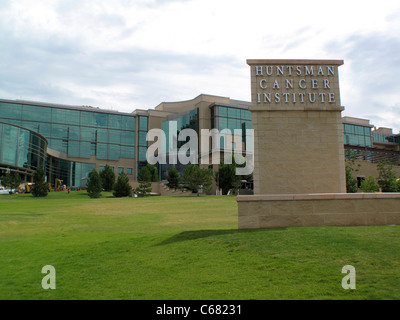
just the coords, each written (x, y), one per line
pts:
(6, 191)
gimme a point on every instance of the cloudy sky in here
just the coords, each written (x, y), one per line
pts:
(130, 54)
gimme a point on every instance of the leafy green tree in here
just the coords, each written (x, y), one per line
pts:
(196, 178)
(94, 185)
(369, 185)
(122, 187)
(107, 176)
(173, 178)
(40, 187)
(144, 179)
(11, 180)
(153, 172)
(351, 182)
(387, 178)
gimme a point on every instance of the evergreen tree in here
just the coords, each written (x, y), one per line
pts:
(144, 179)
(122, 187)
(107, 176)
(40, 187)
(173, 178)
(94, 185)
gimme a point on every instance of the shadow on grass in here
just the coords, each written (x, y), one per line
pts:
(200, 234)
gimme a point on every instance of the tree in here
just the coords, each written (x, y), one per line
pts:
(173, 178)
(122, 187)
(387, 178)
(226, 177)
(94, 185)
(144, 179)
(40, 187)
(196, 178)
(153, 172)
(369, 185)
(11, 180)
(351, 182)
(107, 176)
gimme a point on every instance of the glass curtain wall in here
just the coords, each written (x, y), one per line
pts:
(231, 118)
(355, 135)
(189, 120)
(78, 133)
(143, 125)
(22, 148)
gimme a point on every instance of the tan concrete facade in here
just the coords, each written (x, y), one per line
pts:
(296, 116)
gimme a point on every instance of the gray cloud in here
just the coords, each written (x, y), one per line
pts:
(372, 63)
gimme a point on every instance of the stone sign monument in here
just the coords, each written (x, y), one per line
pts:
(296, 115)
(299, 166)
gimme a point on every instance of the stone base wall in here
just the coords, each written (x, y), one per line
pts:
(325, 209)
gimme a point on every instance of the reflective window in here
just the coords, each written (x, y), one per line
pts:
(73, 148)
(85, 149)
(356, 135)
(114, 121)
(79, 133)
(10, 110)
(35, 113)
(142, 123)
(21, 148)
(59, 131)
(114, 136)
(127, 152)
(128, 138)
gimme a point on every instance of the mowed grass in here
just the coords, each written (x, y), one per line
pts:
(182, 248)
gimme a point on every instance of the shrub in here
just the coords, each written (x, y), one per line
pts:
(369, 185)
(387, 178)
(351, 182)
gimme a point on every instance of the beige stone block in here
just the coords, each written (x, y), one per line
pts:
(393, 218)
(366, 205)
(291, 221)
(388, 205)
(248, 222)
(324, 206)
(346, 206)
(259, 208)
(281, 207)
(270, 222)
(302, 207)
(376, 219)
(356, 219)
(243, 208)
(315, 220)
(332, 219)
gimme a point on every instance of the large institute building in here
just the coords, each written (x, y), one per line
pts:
(70, 141)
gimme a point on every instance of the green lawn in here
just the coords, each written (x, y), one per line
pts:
(182, 248)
